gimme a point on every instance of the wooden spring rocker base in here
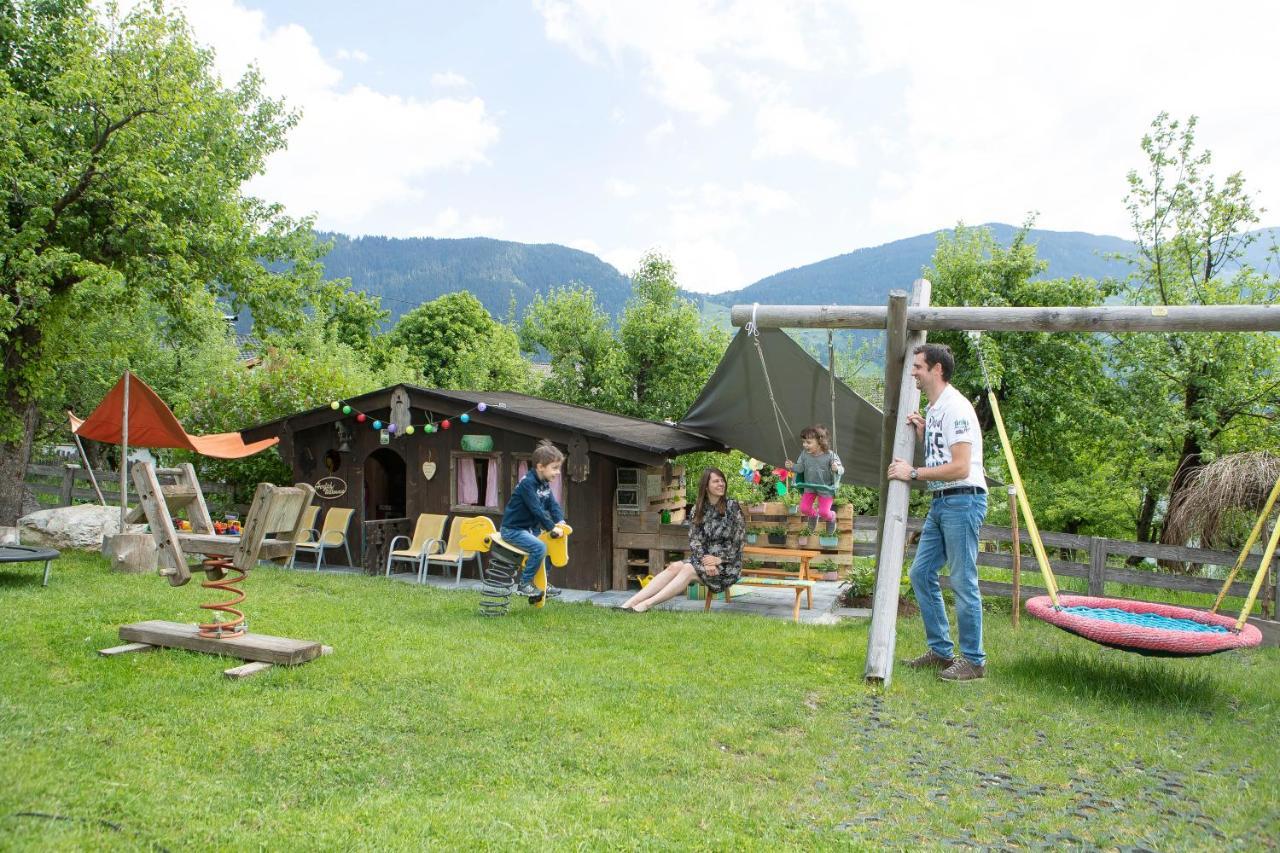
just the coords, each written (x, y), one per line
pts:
(227, 562)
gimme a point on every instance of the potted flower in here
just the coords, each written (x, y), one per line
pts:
(827, 569)
(829, 540)
(802, 537)
(777, 534)
(753, 535)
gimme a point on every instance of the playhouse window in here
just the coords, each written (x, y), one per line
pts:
(474, 484)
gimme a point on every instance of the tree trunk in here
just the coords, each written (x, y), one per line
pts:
(1146, 514)
(14, 457)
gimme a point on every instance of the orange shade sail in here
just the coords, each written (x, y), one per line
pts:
(151, 424)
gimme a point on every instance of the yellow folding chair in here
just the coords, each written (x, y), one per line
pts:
(428, 538)
(333, 535)
(453, 554)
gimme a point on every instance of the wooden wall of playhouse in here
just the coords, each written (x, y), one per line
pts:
(643, 545)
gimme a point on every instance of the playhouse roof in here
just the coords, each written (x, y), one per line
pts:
(633, 439)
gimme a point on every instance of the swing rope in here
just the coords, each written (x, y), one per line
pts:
(779, 419)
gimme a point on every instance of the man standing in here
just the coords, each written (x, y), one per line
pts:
(953, 470)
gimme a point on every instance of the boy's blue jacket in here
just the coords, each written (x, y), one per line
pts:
(532, 506)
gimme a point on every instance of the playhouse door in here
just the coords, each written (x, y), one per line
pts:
(384, 485)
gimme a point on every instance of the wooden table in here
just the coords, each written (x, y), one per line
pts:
(800, 555)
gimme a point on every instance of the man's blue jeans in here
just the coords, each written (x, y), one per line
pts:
(950, 537)
(527, 541)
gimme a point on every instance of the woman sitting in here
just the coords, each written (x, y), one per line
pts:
(715, 541)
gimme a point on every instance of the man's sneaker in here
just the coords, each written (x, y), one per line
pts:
(528, 590)
(553, 591)
(962, 670)
(930, 660)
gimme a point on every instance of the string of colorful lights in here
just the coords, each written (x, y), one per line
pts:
(429, 427)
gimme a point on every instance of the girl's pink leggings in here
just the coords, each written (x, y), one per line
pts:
(824, 506)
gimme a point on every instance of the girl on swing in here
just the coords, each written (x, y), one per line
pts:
(816, 474)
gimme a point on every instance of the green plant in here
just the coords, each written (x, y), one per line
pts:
(859, 580)
(755, 530)
(805, 531)
(827, 565)
(776, 530)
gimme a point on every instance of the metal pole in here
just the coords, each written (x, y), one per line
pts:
(882, 638)
(1017, 554)
(124, 455)
(84, 457)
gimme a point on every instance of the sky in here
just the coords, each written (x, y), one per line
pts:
(740, 137)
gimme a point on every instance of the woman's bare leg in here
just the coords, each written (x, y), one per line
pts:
(673, 587)
(659, 581)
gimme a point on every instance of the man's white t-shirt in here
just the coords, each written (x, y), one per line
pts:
(951, 420)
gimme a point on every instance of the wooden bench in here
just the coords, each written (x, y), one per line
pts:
(799, 555)
(800, 585)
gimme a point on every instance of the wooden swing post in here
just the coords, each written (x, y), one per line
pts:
(882, 638)
(895, 352)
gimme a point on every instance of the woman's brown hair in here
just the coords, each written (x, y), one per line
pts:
(702, 493)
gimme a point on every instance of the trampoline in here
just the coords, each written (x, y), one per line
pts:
(27, 554)
(1143, 627)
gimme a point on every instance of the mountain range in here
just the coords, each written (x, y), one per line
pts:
(405, 272)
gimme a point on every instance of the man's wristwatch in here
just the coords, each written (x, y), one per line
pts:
(915, 473)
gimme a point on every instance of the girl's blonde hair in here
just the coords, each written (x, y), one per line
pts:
(819, 433)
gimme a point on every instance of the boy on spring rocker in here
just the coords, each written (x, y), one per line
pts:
(531, 510)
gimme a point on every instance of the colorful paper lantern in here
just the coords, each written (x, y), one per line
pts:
(346, 410)
(465, 418)
(444, 424)
(377, 425)
(408, 430)
(431, 427)
(480, 407)
(360, 418)
(335, 405)
(391, 428)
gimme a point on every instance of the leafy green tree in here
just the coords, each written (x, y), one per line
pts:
(455, 343)
(122, 158)
(668, 353)
(586, 361)
(1051, 387)
(1192, 395)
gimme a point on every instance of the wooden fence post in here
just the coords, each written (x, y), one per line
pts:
(1014, 534)
(68, 485)
(1097, 566)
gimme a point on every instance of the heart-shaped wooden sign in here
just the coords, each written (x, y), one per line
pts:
(428, 469)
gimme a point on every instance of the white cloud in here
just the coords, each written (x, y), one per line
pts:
(785, 130)
(685, 47)
(660, 132)
(450, 223)
(619, 188)
(355, 55)
(449, 80)
(356, 150)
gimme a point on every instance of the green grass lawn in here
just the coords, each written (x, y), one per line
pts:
(579, 727)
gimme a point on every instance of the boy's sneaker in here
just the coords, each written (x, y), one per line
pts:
(528, 590)
(962, 670)
(553, 591)
(930, 660)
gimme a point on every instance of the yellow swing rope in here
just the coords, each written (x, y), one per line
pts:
(1267, 554)
(1037, 545)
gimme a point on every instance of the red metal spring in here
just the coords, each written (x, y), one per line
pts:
(233, 627)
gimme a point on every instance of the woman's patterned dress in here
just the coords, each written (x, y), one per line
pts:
(719, 535)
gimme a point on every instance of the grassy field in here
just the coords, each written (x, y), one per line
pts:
(578, 727)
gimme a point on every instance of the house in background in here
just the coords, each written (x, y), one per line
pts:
(618, 487)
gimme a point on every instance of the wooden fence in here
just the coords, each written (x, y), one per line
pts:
(997, 552)
(71, 484)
